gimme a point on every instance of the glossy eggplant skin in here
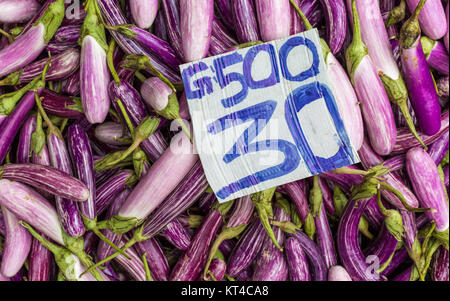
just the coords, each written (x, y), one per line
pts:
(24, 145)
(440, 271)
(157, 261)
(245, 23)
(13, 11)
(432, 18)
(274, 19)
(144, 12)
(427, 185)
(338, 273)
(296, 260)
(61, 105)
(336, 18)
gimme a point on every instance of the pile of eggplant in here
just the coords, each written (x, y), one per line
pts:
(92, 101)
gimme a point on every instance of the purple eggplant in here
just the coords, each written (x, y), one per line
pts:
(40, 262)
(196, 24)
(72, 84)
(61, 105)
(24, 146)
(17, 245)
(62, 66)
(171, 11)
(158, 265)
(383, 247)
(432, 18)
(274, 19)
(81, 155)
(376, 108)
(190, 265)
(436, 55)
(440, 271)
(13, 11)
(446, 37)
(177, 235)
(336, 18)
(144, 12)
(10, 127)
(427, 185)
(48, 179)
(312, 11)
(112, 133)
(134, 267)
(338, 273)
(415, 69)
(160, 27)
(68, 34)
(439, 148)
(244, 19)
(27, 47)
(296, 260)
(325, 240)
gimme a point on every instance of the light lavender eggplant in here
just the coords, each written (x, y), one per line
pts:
(17, 245)
(432, 18)
(13, 11)
(40, 262)
(27, 47)
(196, 24)
(273, 18)
(112, 133)
(427, 185)
(336, 18)
(144, 12)
(338, 273)
(436, 55)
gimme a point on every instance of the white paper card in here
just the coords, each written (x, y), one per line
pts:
(265, 116)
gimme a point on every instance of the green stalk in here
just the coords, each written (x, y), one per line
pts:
(109, 59)
(397, 14)
(148, 276)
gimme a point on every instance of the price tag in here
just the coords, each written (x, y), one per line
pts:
(264, 116)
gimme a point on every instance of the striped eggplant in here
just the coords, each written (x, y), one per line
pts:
(338, 273)
(68, 34)
(61, 105)
(439, 148)
(324, 239)
(134, 267)
(244, 18)
(14, 11)
(24, 145)
(296, 260)
(160, 28)
(415, 69)
(171, 12)
(17, 245)
(177, 235)
(436, 55)
(196, 24)
(158, 265)
(376, 109)
(311, 9)
(432, 18)
(440, 271)
(112, 133)
(427, 185)
(40, 262)
(27, 47)
(224, 10)
(71, 86)
(274, 19)
(144, 12)
(336, 18)
(62, 66)
(94, 74)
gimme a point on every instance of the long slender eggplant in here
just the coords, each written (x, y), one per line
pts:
(68, 34)
(61, 105)
(40, 262)
(196, 24)
(427, 185)
(24, 145)
(72, 84)
(27, 47)
(325, 240)
(273, 18)
(177, 235)
(440, 271)
(432, 18)
(436, 55)
(376, 109)
(17, 245)
(135, 266)
(112, 133)
(312, 11)
(144, 12)
(94, 75)
(336, 18)
(13, 11)
(62, 66)
(296, 260)
(160, 28)
(190, 265)
(171, 11)
(415, 69)
(439, 148)
(245, 23)
(158, 265)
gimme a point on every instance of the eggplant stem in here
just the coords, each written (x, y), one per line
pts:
(397, 193)
(126, 117)
(7, 35)
(148, 275)
(159, 75)
(47, 244)
(184, 128)
(140, 76)
(305, 20)
(110, 62)
(110, 243)
(409, 122)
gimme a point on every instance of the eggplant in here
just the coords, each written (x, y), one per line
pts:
(40, 262)
(160, 27)
(446, 37)
(61, 105)
(171, 11)
(24, 145)
(336, 18)
(217, 269)
(415, 69)
(196, 25)
(325, 240)
(62, 66)
(177, 235)
(68, 34)
(273, 18)
(158, 265)
(14, 11)
(72, 84)
(431, 18)
(134, 267)
(338, 273)
(27, 47)
(427, 185)
(17, 245)
(112, 133)
(144, 12)
(296, 260)
(244, 19)
(313, 12)
(436, 55)
(439, 148)
(440, 271)
(225, 12)
(376, 109)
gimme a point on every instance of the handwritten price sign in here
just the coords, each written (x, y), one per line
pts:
(264, 116)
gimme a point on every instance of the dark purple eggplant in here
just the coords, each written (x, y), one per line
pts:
(296, 260)
(60, 105)
(177, 235)
(158, 265)
(244, 19)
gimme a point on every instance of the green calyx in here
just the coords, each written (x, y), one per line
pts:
(139, 158)
(295, 217)
(365, 190)
(12, 79)
(227, 233)
(172, 110)
(263, 204)
(315, 197)
(410, 31)
(104, 163)
(397, 14)
(119, 224)
(77, 106)
(38, 137)
(357, 50)
(445, 160)
(194, 221)
(310, 226)
(126, 30)
(223, 208)
(16, 31)
(286, 226)
(393, 220)
(52, 18)
(339, 200)
(282, 203)
(9, 101)
(92, 26)
(427, 45)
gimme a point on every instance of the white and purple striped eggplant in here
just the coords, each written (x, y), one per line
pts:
(244, 18)
(94, 73)
(423, 96)
(112, 133)
(196, 19)
(144, 12)
(432, 18)
(18, 11)
(436, 54)
(336, 18)
(274, 19)
(27, 47)
(376, 108)
(427, 185)
(17, 245)
(296, 260)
